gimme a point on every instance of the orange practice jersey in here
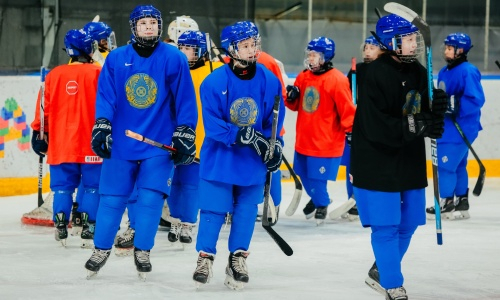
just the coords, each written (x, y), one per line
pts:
(325, 113)
(69, 102)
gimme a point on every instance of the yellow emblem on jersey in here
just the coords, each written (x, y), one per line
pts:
(244, 112)
(141, 90)
(310, 101)
(413, 103)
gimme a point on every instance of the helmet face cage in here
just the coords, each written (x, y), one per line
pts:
(141, 12)
(180, 25)
(314, 60)
(323, 46)
(409, 47)
(112, 45)
(78, 43)
(193, 44)
(242, 43)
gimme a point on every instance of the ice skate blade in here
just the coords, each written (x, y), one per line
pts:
(375, 286)
(142, 275)
(309, 215)
(91, 274)
(461, 215)
(76, 230)
(233, 284)
(352, 218)
(122, 252)
(320, 222)
(87, 244)
(430, 216)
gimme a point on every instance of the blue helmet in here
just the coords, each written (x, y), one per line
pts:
(101, 31)
(459, 41)
(78, 43)
(391, 27)
(322, 45)
(371, 40)
(145, 11)
(195, 39)
(233, 34)
(250, 25)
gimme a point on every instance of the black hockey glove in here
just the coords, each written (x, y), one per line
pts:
(40, 146)
(292, 93)
(439, 102)
(183, 141)
(247, 136)
(348, 138)
(101, 138)
(274, 163)
(423, 125)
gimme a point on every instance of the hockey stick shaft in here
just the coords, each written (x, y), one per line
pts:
(424, 29)
(377, 11)
(42, 128)
(209, 50)
(497, 63)
(151, 142)
(298, 184)
(267, 188)
(353, 81)
(478, 188)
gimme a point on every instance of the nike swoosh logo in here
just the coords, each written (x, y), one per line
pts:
(225, 92)
(127, 65)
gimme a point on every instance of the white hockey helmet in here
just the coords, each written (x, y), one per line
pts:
(180, 25)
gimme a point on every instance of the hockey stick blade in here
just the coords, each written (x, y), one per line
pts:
(342, 209)
(141, 138)
(297, 194)
(278, 239)
(478, 188)
(96, 18)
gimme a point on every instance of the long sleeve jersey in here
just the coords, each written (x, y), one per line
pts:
(381, 158)
(148, 95)
(229, 103)
(325, 113)
(69, 109)
(463, 82)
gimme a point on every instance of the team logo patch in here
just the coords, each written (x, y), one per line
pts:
(322, 170)
(244, 112)
(413, 103)
(141, 90)
(311, 99)
(72, 87)
(445, 159)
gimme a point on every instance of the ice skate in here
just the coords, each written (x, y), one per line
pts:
(320, 215)
(309, 209)
(165, 223)
(142, 263)
(396, 294)
(236, 270)
(373, 280)
(186, 233)
(462, 207)
(61, 232)
(96, 262)
(352, 214)
(203, 271)
(76, 221)
(447, 209)
(175, 230)
(87, 234)
(124, 245)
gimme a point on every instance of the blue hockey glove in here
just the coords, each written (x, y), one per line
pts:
(247, 136)
(292, 93)
(348, 138)
(274, 163)
(183, 141)
(423, 125)
(40, 146)
(101, 138)
(439, 102)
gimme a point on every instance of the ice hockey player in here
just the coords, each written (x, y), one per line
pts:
(322, 98)
(179, 26)
(104, 37)
(183, 199)
(370, 51)
(388, 162)
(462, 82)
(69, 101)
(237, 101)
(144, 87)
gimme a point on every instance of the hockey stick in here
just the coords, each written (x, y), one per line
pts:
(96, 18)
(425, 30)
(297, 195)
(42, 127)
(209, 48)
(268, 202)
(497, 63)
(478, 188)
(377, 11)
(141, 138)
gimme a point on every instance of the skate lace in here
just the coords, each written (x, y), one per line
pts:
(204, 266)
(238, 262)
(99, 255)
(142, 256)
(186, 230)
(175, 228)
(397, 293)
(128, 235)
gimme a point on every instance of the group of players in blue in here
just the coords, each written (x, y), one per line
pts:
(147, 87)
